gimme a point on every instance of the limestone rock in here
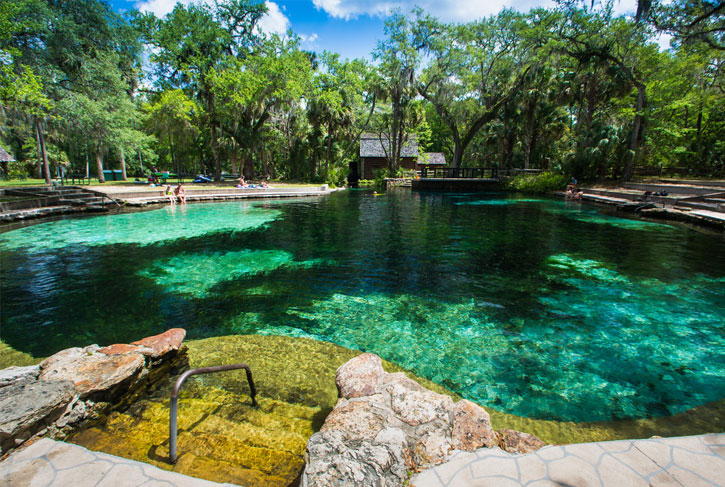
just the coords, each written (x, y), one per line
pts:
(356, 420)
(517, 442)
(387, 424)
(472, 427)
(431, 450)
(331, 462)
(166, 342)
(124, 348)
(91, 372)
(419, 407)
(359, 376)
(27, 407)
(14, 374)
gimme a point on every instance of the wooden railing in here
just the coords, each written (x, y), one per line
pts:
(459, 172)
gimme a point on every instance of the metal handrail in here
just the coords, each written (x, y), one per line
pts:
(174, 406)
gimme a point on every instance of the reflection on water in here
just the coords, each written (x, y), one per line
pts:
(534, 307)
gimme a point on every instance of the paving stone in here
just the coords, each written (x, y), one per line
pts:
(657, 451)
(709, 466)
(64, 456)
(636, 461)
(573, 471)
(615, 474)
(589, 452)
(688, 478)
(551, 453)
(495, 466)
(617, 446)
(663, 479)
(124, 474)
(532, 468)
(85, 474)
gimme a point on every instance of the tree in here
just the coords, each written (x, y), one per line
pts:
(475, 69)
(193, 43)
(398, 59)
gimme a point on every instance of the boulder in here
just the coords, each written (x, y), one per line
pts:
(359, 376)
(158, 345)
(472, 427)
(124, 348)
(92, 372)
(518, 442)
(27, 407)
(419, 407)
(332, 462)
(14, 374)
(385, 425)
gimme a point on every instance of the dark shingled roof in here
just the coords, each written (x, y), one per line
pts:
(5, 157)
(432, 158)
(370, 146)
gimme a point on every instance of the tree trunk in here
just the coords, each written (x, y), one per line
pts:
(636, 135)
(99, 163)
(40, 150)
(328, 152)
(123, 166)
(44, 152)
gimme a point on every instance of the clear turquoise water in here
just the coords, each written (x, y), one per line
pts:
(534, 306)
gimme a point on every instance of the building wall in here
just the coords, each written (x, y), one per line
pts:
(370, 164)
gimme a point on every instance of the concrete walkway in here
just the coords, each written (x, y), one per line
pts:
(690, 461)
(48, 463)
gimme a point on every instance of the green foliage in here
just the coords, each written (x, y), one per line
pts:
(543, 182)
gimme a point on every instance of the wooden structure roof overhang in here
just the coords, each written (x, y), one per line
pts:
(432, 159)
(5, 156)
(371, 145)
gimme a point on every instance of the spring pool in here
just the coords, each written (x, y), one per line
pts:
(533, 306)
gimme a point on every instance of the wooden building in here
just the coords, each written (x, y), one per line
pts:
(431, 160)
(5, 157)
(373, 155)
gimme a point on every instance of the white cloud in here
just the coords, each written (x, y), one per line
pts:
(274, 21)
(162, 7)
(308, 38)
(446, 10)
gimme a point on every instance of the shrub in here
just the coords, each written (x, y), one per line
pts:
(537, 183)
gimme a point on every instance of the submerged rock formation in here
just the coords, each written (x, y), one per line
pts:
(78, 384)
(386, 425)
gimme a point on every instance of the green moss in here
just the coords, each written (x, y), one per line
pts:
(9, 357)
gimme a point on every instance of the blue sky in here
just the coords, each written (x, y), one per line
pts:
(353, 27)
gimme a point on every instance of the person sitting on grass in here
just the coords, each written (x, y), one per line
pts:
(170, 195)
(180, 193)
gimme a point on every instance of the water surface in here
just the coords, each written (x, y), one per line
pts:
(533, 306)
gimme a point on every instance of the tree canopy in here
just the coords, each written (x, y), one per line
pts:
(573, 88)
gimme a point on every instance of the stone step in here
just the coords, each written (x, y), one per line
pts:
(675, 188)
(192, 462)
(221, 437)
